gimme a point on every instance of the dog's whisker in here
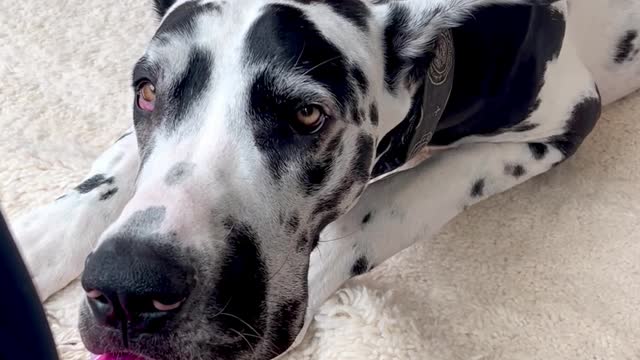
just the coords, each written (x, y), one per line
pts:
(267, 343)
(242, 321)
(321, 64)
(253, 351)
(304, 44)
(339, 238)
(223, 309)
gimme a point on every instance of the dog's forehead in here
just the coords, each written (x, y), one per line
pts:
(227, 25)
(189, 24)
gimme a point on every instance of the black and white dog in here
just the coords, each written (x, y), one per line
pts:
(256, 177)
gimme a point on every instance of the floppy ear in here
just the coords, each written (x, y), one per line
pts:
(412, 26)
(161, 6)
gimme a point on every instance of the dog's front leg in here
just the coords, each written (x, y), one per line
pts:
(56, 238)
(395, 213)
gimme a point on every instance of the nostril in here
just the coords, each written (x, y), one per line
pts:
(102, 308)
(96, 295)
(164, 307)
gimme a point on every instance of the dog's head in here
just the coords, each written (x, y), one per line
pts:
(257, 123)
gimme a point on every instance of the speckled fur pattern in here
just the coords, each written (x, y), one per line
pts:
(474, 168)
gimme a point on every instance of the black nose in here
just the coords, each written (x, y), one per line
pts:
(136, 284)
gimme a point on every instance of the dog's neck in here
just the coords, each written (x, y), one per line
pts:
(405, 145)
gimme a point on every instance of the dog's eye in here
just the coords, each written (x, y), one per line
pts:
(309, 119)
(146, 96)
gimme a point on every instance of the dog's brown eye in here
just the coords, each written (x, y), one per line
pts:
(146, 96)
(309, 119)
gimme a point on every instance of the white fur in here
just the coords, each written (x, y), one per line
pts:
(77, 220)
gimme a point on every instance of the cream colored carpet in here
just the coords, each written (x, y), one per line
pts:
(550, 270)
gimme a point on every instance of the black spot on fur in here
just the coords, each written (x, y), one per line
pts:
(360, 79)
(281, 37)
(290, 319)
(332, 201)
(353, 10)
(366, 218)
(93, 183)
(293, 223)
(242, 286)
(175, 98)
(145, 221)
(583, 119)
(373, 114)
(538, 150)
(316, 174)
(107, 195)
(360, 267)
(515, 170)
(477, 190)
(357, 115)
(359, 174)
(195, 79)
(397, 22)
(361, 163)
(498, 73)
(335, 143)
(268, 113)
(178, 173)
(624, 49)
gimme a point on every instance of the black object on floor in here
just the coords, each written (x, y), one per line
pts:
(24, 331)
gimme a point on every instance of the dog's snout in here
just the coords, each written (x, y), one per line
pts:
(137, 284)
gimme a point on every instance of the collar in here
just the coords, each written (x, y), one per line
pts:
(405, 146)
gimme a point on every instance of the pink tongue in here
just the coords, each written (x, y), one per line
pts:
(116, 357)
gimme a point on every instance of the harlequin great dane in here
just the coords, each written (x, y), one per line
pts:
(280, 147)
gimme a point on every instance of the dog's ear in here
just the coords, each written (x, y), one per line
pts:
(412, 26)
(161, 6)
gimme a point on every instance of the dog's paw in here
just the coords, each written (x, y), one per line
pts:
(51, 242)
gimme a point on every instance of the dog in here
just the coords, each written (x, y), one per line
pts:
(281, 147)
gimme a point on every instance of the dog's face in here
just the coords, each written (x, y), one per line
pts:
(257, 123)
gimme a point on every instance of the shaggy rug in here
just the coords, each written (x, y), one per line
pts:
(549, 270)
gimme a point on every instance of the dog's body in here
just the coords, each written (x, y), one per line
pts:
(262, 223)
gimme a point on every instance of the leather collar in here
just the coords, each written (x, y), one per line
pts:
(405, 146)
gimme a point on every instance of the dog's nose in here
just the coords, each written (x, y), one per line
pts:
(137, 284)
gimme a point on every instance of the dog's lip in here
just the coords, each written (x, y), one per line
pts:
(118, 356)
